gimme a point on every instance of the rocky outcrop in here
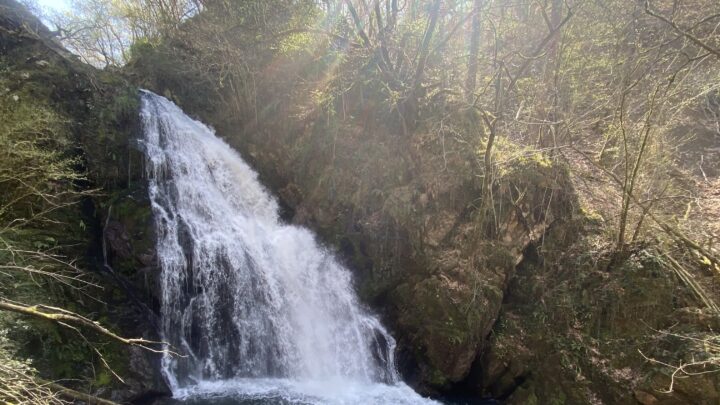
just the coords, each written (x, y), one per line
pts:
(402, 212)
(581, 325)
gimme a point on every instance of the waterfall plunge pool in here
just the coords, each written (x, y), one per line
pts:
(266, 391)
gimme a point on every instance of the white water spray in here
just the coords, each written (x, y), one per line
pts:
(258, 306)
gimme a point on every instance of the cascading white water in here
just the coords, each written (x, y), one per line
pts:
(259, 308)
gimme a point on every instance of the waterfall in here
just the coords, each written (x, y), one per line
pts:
(258, 307)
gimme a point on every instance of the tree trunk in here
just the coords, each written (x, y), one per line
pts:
(471, 79)
(425, 47)
(408, 108)
(555, 20)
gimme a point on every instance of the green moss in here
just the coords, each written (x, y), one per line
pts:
(515, 160)
(437, 378)
(102, 379)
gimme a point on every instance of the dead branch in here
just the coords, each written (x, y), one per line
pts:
(692, 368)
(76, 395)
(63, 317)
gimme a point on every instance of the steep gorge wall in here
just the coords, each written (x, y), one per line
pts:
(402, 211)
(108, 234)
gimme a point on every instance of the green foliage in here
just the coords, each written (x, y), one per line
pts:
(38, 177)
(140, 48)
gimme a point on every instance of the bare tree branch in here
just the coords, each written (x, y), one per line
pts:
(680, 31)
(63, 316)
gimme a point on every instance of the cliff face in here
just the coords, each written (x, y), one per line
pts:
(107, 233)
(401, 211)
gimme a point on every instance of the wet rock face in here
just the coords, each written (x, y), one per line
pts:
(129, 250)
(145, 384)
(448, 313)
(118, 239)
